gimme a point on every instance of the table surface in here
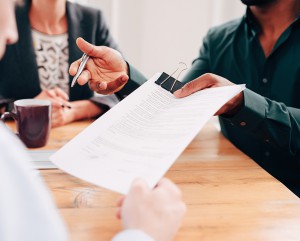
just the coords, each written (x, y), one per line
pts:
(229, 197)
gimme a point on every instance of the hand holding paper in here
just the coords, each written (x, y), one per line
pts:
(141, 136)
(158, 212)
(211, 81)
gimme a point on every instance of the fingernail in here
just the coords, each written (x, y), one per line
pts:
(101, 86)
(123, 79)
(178, 92)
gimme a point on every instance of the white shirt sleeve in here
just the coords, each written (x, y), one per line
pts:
(132, 235)
(27, 211)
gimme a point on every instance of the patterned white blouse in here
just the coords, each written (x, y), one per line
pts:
(52, 57)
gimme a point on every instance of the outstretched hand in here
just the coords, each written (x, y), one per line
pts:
(106, 71)
(211, 81)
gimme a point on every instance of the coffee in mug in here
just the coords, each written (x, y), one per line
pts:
(33, 119)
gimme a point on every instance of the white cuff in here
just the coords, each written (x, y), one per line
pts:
(132, 235)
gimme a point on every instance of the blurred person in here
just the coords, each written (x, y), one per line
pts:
(37, 65)
(27, 210)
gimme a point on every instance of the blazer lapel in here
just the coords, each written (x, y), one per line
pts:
(75, 30)
(25, 54)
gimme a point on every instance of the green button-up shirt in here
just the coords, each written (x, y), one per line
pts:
(268, 126)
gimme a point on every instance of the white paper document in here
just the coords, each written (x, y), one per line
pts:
(40, 159)
(141, 136)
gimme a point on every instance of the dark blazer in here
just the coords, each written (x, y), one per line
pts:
(18, 69)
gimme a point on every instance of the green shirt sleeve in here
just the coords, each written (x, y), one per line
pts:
(271, 121)
(136, 79)
(201, 65)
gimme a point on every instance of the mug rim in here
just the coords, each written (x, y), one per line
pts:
(29, 102)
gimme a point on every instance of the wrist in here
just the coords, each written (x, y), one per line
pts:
(236, 104)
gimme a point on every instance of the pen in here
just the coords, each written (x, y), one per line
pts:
(82, 65)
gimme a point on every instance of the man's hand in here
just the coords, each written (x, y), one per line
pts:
(106, 71)
(211, 81)
(157, 212)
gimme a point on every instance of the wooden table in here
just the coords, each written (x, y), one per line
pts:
(229, 197)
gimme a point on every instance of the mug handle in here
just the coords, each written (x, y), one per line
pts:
(6, 115)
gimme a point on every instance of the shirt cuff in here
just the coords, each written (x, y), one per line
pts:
(251, 114)
(136, 79)
(132, 235)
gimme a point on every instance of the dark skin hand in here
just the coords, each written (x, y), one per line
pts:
(106, 71)
(210, 81)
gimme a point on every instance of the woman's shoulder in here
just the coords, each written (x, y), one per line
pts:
(85, 11)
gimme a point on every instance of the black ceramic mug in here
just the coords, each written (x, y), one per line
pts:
(33, 119)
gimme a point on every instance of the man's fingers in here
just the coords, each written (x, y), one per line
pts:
(108, 88)
(99, 87)
(202, 82)
(74, 67)
(220, 111)
(84, 77)
(89, 49)
(116, 85)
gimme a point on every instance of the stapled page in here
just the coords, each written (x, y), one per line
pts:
(142, 136)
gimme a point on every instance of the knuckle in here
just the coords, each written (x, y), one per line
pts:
(191, 84)
(207, 75)
(92, 50)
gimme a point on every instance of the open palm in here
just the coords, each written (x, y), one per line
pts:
(106, 71)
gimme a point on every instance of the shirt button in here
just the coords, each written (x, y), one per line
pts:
(267, 154)
(243, 123)
(265, 80)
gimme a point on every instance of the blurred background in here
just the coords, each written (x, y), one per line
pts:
(154, 35)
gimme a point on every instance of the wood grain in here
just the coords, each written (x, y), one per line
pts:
(229, 197)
